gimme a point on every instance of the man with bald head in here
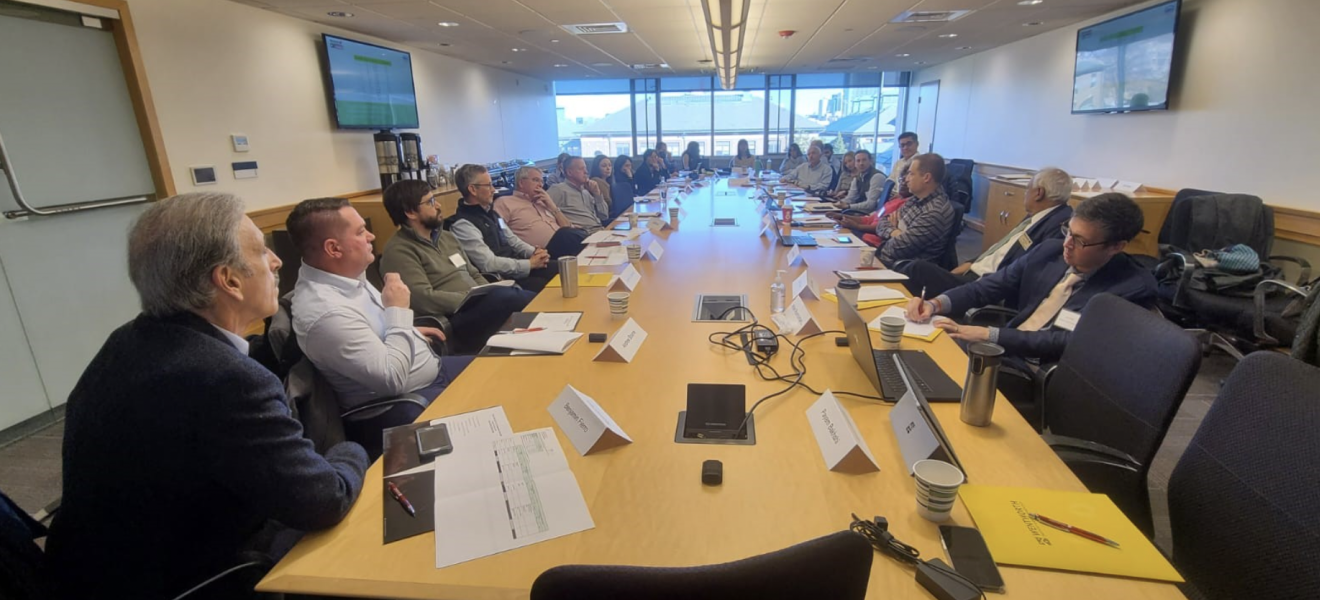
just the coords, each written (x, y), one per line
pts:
(1046, 203)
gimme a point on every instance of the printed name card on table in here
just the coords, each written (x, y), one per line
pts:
(586, 424)
(766, 224)
(796, 320)
(841, 445)
(806, 287)
(626, 280)
(1128, 187)
(634, 233)
(624, 345)
(655, 250)
(794, 255)
(658, 225)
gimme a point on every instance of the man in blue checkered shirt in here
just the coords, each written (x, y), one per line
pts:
(921, 228)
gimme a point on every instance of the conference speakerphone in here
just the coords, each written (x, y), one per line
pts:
(715, 415)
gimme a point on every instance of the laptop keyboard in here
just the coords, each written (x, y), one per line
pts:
(890, 379)
(800, 240)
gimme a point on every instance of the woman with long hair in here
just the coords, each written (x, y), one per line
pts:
(650, 174)
(602, 172)
(692, 157)
(846, 177)
(744, 158)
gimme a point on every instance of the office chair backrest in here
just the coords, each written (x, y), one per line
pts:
(1242, 499)
(886, 191)
(949, 258)
(836, 566)
(20, 557)
(958, 182)
(1119, 383)
(1201, 220)
(281, 243)
(311, 399)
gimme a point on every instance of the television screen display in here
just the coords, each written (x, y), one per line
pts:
(371, 87)
(1123, 64)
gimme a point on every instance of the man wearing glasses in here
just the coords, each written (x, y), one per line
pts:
(579, 198)
(487, 240)
(1051, 285)
(907, 148)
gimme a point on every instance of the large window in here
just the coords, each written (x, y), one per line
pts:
(849, 111)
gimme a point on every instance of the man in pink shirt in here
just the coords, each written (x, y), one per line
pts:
(532, 216)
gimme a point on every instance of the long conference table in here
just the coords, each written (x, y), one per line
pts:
(646, 498)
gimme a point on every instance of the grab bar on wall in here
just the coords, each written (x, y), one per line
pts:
(26, 209)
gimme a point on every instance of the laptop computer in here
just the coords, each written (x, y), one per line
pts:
(918, 431)
(801, 240)
(881, 368)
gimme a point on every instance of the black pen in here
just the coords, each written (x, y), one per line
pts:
(403, 500)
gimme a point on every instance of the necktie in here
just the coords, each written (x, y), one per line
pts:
(1011, 237)
(1052, 304)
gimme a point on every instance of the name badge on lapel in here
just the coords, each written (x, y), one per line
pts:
(457, 259)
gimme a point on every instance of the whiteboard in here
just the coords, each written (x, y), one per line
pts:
(67, 118)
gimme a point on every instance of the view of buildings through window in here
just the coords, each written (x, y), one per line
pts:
(686, 110)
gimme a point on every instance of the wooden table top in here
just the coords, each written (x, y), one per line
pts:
(646, 498)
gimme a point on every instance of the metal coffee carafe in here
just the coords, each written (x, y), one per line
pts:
(978, 399)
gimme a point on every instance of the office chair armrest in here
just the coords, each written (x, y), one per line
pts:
(223, 574)
(492, 277)
(445, 327)
(1258, 312)
(1085, 450)
(404, 399)
(990, 316)
(47, 512)
(1305, 275)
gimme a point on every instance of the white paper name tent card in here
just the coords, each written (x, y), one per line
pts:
(658, 225)
(841, 445)
(795, 255)
(655, 250)
(586, 424)
(624, 345)
(796, 320)
(626, 280)
(806, 287)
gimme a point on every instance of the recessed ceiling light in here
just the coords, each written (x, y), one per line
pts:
(1029, 2)
(560, 65)
(948, 35)
(518, 49)
(903, 55)
(873, 68)
(1033, 23)
(339, 14)
(964, 48)
(554, 41)
(920, 62)
(447, 24)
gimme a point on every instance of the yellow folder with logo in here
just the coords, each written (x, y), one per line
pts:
(1015, 538)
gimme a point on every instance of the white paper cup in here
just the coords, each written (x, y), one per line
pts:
(634, 251)
(618, 303)
(673, 214)
(937, 488)
(867, 257)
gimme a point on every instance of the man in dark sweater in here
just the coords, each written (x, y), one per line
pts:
(487, 241)
(180, 452)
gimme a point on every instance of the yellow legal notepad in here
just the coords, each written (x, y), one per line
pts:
(585, 280)
(867, 304)
(1014, 538)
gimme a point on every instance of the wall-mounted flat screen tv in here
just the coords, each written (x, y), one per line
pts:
(371, 87)
(1123, 64)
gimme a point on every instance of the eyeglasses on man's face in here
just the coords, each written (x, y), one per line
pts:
(1077, 241)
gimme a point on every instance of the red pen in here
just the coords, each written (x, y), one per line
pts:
(529, 330)
(403, 500)
(1060, 525)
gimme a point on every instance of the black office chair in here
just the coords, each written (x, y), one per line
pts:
(1242, 498)
(958, 182)
(22, 575)
(1231, 312)
(949, 258)
(837, 566)
(1111, 398)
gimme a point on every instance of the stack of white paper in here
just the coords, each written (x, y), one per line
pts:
(545, 342)
(876, 275)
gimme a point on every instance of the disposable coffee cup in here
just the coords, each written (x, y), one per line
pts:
(632, 220)
(846, 293)
(618, 303)
(891, 331)
(634, 251)
(673, 214)
(937, 488)
(867, 257)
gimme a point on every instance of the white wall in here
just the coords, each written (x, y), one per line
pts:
(218, 67)
(1244, 116)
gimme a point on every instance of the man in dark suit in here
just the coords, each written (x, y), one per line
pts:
(1046, 203)
(1052, 283)
(180, 452)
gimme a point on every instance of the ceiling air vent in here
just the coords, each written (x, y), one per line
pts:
(846, 60)
(930, 16)
(596, 28)
(649, 66)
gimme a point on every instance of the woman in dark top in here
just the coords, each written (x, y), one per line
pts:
(602, 172)
(621, 188)
(650, 174)
(794, 159)
(692, 157)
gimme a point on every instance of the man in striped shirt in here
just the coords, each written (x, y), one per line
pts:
(919, 230)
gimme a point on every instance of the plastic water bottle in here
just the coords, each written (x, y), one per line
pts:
(777, 293)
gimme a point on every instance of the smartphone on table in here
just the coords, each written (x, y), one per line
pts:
(970, 557)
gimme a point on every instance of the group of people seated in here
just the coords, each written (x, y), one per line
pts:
(182, 453)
